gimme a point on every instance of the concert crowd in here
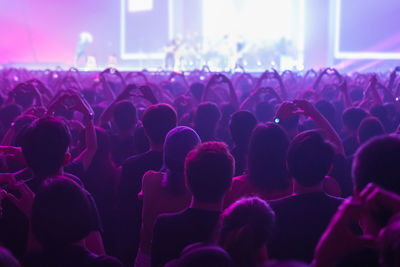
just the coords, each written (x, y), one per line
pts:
(199, 168)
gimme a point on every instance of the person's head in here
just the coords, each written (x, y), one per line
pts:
(264, 111)
(309, 158)
(352, 118)
(241, 126)
(245, 228)
(44, 146)
(377, 161)
(209, 169)
(61, 213)
(157, 121)
(124, 115)
(267, 157)
(178, 143)
(7, 259)
(200, 255)
(369, 128)
(389, 244)
(205, 121)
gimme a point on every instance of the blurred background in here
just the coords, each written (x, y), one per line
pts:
(356, 35)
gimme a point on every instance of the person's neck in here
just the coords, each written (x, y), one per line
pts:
(299, 189)
(156, 147)
(217, 206)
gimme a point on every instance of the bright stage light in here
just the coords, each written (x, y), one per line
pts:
(354, 55)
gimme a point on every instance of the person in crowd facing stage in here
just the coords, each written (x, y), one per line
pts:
(208, 170)
(45, 151)
(165, 191)
(246, 227)
(352, 118)
(206, 119)
(267, 175)
(241, 126)
(302, 218)
(157, 121)
(61, 215)
(369, 128)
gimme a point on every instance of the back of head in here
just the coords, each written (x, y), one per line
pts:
(369, 128)
(246, 226)
(377, 161)
(200, 255)
(124, 115)
(44, 145)
(158, 120)
(352, 118)
(7, 259)
(206, 118)
(178, 143)
(267, 157)
(61, 213)
(309, 158)
(241, 125)
(209, 169)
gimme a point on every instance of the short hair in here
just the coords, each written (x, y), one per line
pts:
(44, 145)
(352, 117)
(246, 226)
(377, 161)
(7, 259)
(61, 213)
(369, 128)
(209, 169)
(197, 90)
(267, 157)
(309, 158)
(157, 121)
(327, 110)
(124, 115)
(207, 116)
(241, 125)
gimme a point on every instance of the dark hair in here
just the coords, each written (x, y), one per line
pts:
(369, 127)
(44, 145)
(380, 112)
(267, 157)
(206, 119)
(124, 115)
(246, 226)
(377, 161)
(309, 158)
(201, 255)
(7, 259)
(61, 213)
(158, 120)
(209, 169)
(241, 125)
(352, 118)
(178, 143)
